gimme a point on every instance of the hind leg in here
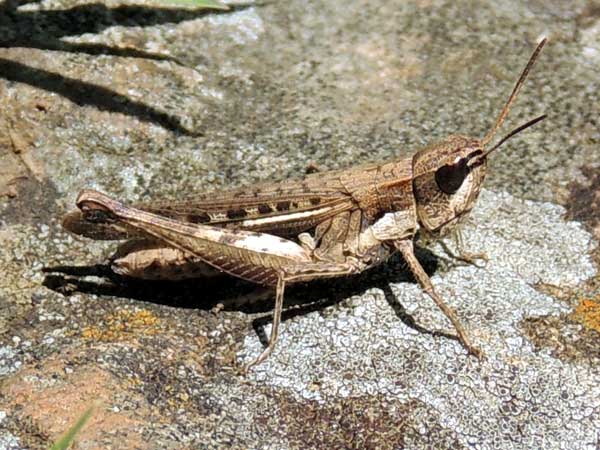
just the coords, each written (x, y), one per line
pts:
(258, 257)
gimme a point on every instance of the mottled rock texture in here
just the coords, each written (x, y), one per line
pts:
(146, 101)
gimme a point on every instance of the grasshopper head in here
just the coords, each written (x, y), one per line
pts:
(447, 176)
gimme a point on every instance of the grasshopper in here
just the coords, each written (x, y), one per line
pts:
(328, 224)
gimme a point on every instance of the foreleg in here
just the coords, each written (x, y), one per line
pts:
(462, 255)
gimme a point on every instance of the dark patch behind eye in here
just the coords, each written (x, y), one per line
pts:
(450, 177)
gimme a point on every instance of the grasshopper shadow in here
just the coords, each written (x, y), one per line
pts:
(232, 294)
(317, 295)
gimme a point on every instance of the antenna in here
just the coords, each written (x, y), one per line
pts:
(511, 134)
(513, 96)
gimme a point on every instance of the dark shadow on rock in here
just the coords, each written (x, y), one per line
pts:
(430, 263)
(44, 30)
(87, 94)
(409, 320)
(238, 295)
(102, 281)
(320, 294)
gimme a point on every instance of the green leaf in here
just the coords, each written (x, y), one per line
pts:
(67, 439)
(207, 4)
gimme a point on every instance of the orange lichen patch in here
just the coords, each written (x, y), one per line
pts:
(588, 313)
(52, 398)
(123, 324)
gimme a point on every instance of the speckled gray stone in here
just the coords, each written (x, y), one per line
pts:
(363, 348)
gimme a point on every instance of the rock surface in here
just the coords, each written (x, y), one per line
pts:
(147, 101)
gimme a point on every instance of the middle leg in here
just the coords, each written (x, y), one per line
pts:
(295, 273)
(407, 250)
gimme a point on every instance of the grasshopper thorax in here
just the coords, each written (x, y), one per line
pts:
(447, 179)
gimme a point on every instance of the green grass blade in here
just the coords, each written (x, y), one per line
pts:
(67, 439)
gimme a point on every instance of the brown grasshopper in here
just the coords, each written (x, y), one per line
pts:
(328, 224)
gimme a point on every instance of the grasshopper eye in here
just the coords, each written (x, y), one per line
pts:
(450, 177)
